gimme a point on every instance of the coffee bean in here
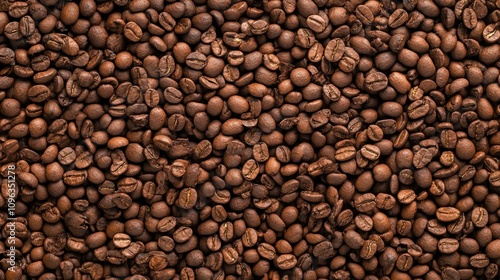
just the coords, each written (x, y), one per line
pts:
(364, 14)
(196, 60)
(470, 18)
(132, 31)
(376, 81)
(457, 226)
(266, 251)
(365, 202)
(323, 250)
(260, 152)
(479, 261)
(398, 18)
(368, 249)
(406, 196)
(447, 214)
(316, 23)
(418, 109)
(75, 177)
(345, 153)
(285, 261)
(448, 139)
(250, 170)
(371, 152)
(448, 245)
(349, 60)
(121, 240)
(187, 198)
(479, 217)
(334, 50)
(230, 255)
(39, 93)
(182, 234)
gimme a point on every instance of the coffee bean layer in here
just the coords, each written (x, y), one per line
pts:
(229, 139)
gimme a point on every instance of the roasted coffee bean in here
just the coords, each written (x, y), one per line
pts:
(447, 214)
(132, 31)
(285, 261)
(250, 170)
(371, 152)
(196, 60)
(75, 177)
(187, 198)
(479, 261)
(398, 18)
(166, 224)
(364, 14)
(334, 50)
(345, 153)
(404, 262)
(230, 255)
(331, 92)
(182, 234)
(266, 251)
(365, 202)
(121, 240)
(448, 245)
(479, 217)
(376, 82)
(368, 249)
(39, 93)
(316, 23)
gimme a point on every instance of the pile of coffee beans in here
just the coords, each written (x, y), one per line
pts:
(250, 139)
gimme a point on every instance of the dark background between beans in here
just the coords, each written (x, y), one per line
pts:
(258, 139)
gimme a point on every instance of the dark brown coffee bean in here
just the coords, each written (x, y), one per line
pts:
(323, 250)
(470, 18)
(230, 255)
(457, 226)
(447, 214)
(187, 198)
(334, 50)
(349, 60)
(75, 177)
(418, 109)
(182, 234)
(132, 31)
(39, 93)
(260, 152)
(196, 60)
(121, 240)
(250, 170)
(365, 202)
(368, 249)
(376, 82)
(479, 261)
(345, 153)
(285, 261)
(166, 224)
(479, 217)
(398, 18)
(448, 245)
(316, 23)
(266, 251)
(66, 156)
(404, 262)
(364, 14)
(249, 238)
(371, 152)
